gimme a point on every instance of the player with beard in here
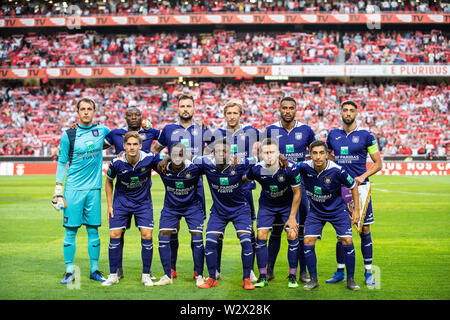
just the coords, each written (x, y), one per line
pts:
(293, 138)
(350, 146)
(191, 136)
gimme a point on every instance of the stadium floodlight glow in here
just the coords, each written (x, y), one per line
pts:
(191, 83)
(180, 79)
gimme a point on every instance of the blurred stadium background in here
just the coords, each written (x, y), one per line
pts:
(389, 56)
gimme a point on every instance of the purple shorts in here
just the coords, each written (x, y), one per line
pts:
(122, 219)
(194, 218)
(217, 223)
(267, 216)
(341, 223)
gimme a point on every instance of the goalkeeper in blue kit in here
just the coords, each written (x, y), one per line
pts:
(81, 149)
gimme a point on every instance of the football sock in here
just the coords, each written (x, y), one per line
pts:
(261, 255)
(349, 260)
(253, 239)
(311, 260)
(174, 250)
(301, 254)
(93, 247)
(219, 252)
(69, 248)
(293, 255)
(122, 242)
(198, 252)
(164, 254)
(211, 254)
(146, 254)
(246, 254)
(114, 251)
(340, 256)
(274, 245)
(367, 251)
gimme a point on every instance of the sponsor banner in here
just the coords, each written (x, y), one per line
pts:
(415, 168)
(75, 22)
(412, 70)
(389, 168)
(136, 72)
(208, 71)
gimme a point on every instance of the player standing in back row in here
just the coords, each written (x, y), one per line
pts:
(82, 149)
(350, 145)
(293, 138)
(241, 139)
(134, 119)
(191, 135)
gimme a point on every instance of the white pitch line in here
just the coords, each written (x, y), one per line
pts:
(408, 192)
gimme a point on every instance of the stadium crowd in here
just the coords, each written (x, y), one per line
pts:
(406, 118)
(89, 7)
(223, 47)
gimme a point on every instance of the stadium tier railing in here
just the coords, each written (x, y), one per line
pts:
(371, 19)
(272, 71)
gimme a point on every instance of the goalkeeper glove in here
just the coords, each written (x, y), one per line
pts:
(58, 201)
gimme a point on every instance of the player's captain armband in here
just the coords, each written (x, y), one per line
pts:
(373, 148)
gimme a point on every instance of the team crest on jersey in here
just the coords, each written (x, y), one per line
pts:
(355, 139)
(95, 132)
(143, 169)
(188, 175)
(298, 136)
(281, 178)
(327, 180)
(233, 172)
(194, 132)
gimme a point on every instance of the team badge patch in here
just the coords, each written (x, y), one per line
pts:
(95, 132)
(194, 132)
(281, 178)
(298, 136)
(143, 169)
(66, 219)
(188, 175)
(233, 172)
(327, 180)
(355, 139)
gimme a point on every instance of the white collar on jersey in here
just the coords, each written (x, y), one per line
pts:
(178, 123)
(330, 164)
(357, 128)
(296, 125)
(142, 156)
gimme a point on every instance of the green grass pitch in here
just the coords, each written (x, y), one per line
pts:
(411, 237)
